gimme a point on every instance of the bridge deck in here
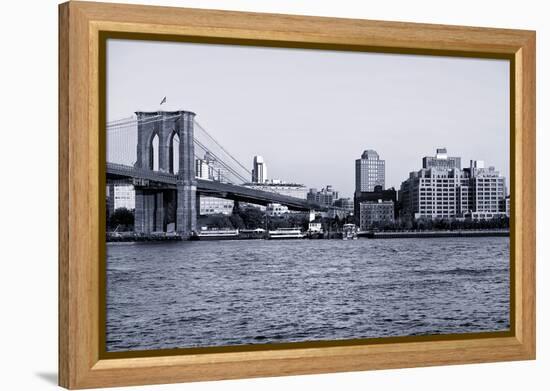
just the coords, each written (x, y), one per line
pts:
(212, 188)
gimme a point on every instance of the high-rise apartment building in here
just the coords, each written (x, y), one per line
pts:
(259, 170)
(370, 171)
(487, 191)
(431, 193)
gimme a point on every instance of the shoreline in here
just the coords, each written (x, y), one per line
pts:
(130, 237)
(434, 234)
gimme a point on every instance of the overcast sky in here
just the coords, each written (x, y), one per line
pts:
(311, 113)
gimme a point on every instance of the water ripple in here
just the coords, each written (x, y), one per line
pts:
(190, 294)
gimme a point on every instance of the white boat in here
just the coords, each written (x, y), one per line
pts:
(286, 233)
(216, 234)
(349, 232)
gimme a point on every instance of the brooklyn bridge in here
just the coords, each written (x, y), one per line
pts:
(156, 153)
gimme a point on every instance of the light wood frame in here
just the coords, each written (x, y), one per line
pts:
(80, 168)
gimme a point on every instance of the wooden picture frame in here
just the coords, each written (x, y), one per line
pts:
(81, 25)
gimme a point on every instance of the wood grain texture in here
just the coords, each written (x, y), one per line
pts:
(63, 178)
(526, 132)
(80, 166)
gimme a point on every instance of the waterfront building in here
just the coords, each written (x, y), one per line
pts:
(276, 209)
(214, 205)
(442, 190)
(487, 188)
(377, 194)
(259, 170)
(124, 196)
(326, 196)
(370, 171)
(372, 213)
(432, 193)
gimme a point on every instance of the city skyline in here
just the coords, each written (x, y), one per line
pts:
(203, 171)
(426, 162)
(310, 122)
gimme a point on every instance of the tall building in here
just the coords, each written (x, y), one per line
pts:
(259, 170)
(487, 192)
(326, 196)
(370, 171)
(442, 190)
(431, 193)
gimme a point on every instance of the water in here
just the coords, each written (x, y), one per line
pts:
(195, 294)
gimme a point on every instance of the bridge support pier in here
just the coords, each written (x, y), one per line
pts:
(145, 211)
(159, 211)
(149, 214)
(139, 212)
(186, 215)
(198, 204)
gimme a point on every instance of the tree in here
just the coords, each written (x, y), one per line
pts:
(252, 217)
(219, 221)
(236, 221)
(122, 216)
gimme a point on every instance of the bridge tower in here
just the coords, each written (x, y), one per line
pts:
(158, 150)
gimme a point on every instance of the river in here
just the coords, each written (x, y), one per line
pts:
(196, 294)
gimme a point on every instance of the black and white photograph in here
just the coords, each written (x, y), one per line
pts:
(267, 195)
